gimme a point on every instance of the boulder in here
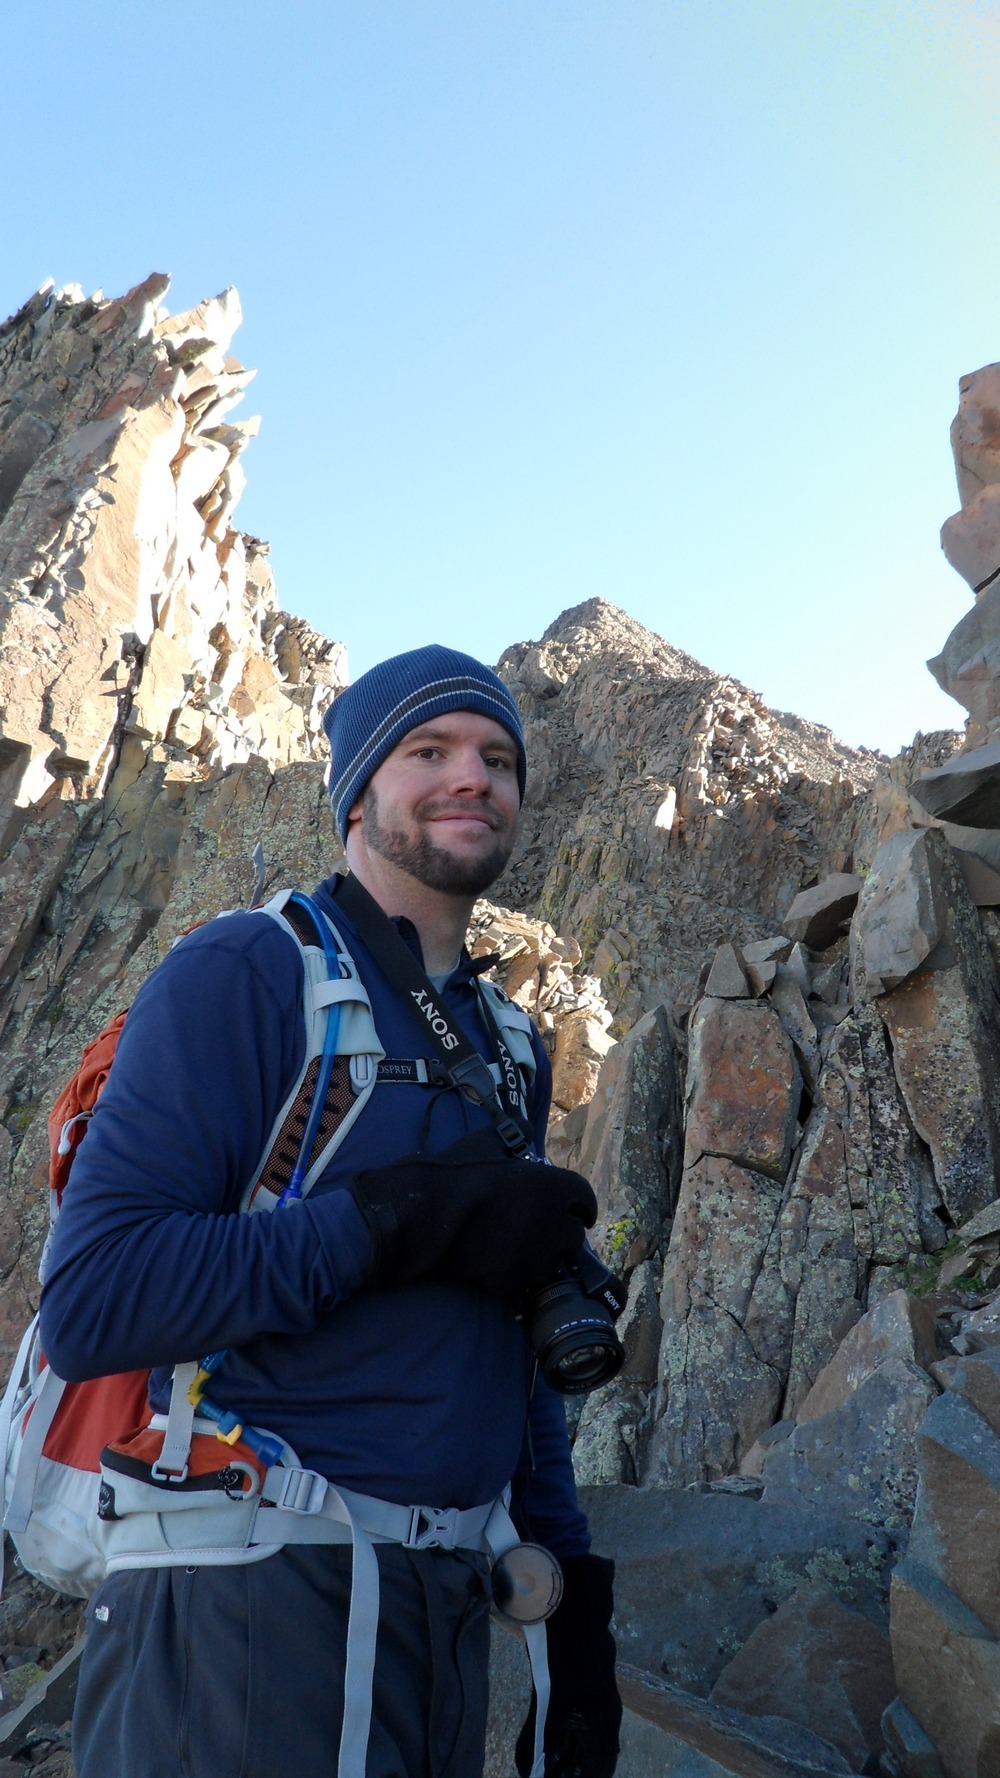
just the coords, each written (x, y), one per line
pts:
(698, 1571)
(977, 1377)
(957, 1516)
(743, 1087)
(613, 1426)
(981, 880)
(891, 1182)
(819, 915)
(966, 790)
(665, 1733)
(909, 1750)
(766, 950)
(633, 1139)
(727, 978)
(725, 1310)
(671, 1735)
(859, 1459)
(979, 1329)
(818, 1664)
(941, 1014)
(606, 1446)
(761, 1283)
(948, 1671)
(582, 1042)
(640, 1327)
(980, 1227)
(902, 911)
(816, 1263)
(947, 1064)
(790, 1005)
(760, 976)
(946, 1596)
(968, 667)
(971, 538)
(900, 1326)
(975, 431)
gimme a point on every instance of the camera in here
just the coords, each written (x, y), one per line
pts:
(571, 1326)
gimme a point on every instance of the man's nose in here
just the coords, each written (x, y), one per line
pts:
(469, 774)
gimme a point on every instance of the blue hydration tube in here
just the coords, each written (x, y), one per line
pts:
(293, 1190)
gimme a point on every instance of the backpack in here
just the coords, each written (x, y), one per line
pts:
(68, 1446)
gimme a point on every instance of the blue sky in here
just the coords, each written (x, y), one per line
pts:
(664, 302)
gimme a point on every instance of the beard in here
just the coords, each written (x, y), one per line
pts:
(434, 866)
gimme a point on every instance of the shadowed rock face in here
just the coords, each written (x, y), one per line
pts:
(816, 1661)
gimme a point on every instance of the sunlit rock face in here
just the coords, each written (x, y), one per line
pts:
(130, 606)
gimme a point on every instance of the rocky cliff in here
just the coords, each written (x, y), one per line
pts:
(666, 803)
(765, 965)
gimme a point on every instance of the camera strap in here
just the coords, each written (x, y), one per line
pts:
(465, 1068)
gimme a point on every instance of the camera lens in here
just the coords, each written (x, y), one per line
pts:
(574, 1338)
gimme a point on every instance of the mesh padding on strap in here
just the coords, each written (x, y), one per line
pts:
(277, 1169)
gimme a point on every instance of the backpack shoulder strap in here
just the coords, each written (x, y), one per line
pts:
(355, 1066)
(516, 1028)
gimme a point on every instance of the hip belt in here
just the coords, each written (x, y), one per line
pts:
(151, 1525)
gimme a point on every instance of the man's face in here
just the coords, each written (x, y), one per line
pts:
(443, 805)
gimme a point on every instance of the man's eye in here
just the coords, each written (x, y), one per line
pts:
(497, 761)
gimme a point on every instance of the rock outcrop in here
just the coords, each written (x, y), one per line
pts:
(130, 606)
(667, 807)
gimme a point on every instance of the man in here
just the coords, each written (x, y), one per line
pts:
(372, 1326)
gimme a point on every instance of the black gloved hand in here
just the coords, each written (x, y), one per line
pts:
(585, 1711)
(473, 1216)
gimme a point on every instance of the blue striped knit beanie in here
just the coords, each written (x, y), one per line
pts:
(366, 721)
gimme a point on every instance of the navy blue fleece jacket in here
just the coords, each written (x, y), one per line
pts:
(422, 1394)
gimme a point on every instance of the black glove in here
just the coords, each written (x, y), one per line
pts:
(585, 1711)
(473, 1216)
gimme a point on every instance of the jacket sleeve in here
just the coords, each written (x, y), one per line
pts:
(149, 1265)
(543, 1488)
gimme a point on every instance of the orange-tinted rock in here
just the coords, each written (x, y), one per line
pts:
(957, 1517)
(582, 1042)
(744, 1087)
(948, 1671)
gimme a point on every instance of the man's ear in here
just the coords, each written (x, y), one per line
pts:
(355, 811)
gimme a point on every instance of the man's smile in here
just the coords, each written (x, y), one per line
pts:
(465, 818)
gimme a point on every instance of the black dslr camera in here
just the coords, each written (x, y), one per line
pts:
(571, 1326)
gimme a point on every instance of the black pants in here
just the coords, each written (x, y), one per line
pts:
(239, 1672)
